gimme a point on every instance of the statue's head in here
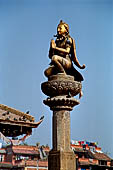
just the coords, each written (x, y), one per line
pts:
(62, 28)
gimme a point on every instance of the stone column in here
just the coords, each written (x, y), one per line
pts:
(61, 90)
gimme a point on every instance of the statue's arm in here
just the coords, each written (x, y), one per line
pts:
(65, 51)
(51, 50)
(74, 58)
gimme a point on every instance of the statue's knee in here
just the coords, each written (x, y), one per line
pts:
(54, 58)
(46, 73)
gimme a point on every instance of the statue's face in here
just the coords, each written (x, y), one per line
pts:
(61, 30)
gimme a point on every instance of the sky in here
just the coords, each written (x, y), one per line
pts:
(26, 28)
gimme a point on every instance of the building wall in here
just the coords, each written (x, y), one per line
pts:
(83, 159)
(9, 154)
(2, 157)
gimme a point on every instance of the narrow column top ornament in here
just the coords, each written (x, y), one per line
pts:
(62, 53)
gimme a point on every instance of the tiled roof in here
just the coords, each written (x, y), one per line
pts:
(20, 122)
(95, 154)
(101, 156)
(5, 109)
(25, 151)
(27, 147)
(33, 163)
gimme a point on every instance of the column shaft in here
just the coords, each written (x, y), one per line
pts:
(61, 130)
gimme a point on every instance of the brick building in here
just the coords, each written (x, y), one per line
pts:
(23, 157)
(90, 157)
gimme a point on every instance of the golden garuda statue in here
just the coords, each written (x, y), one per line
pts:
(63, 54)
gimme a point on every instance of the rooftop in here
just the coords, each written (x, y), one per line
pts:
(91, 149)
(14, 123)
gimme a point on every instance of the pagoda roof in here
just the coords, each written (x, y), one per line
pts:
(14, 122)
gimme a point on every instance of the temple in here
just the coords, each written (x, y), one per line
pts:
(14, 123)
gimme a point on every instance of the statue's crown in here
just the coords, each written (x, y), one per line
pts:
(65, 24)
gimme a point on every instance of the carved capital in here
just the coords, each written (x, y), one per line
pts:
(61, 89)
(59, 85)
(61, 103)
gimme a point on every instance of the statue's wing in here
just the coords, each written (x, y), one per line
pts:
(74, 57)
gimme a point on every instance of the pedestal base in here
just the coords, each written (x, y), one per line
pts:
(59, 160)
